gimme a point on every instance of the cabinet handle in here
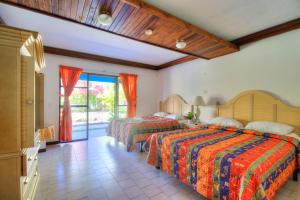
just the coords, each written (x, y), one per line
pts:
(35, 158)
(29, 158)
(36, 173)
(25, 182)
(29, 102)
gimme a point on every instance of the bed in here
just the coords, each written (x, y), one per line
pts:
(136, 130)
(230, 163)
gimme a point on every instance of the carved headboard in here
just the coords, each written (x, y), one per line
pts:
(175, 104)
(260, 106)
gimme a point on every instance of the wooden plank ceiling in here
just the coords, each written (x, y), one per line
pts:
(131, 18)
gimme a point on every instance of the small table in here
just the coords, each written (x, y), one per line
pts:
(188, 124)
(191, 125)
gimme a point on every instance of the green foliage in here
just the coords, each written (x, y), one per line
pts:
(78, 99)
(190, 115)
(108, 101)
(93, 102)
(122, 111)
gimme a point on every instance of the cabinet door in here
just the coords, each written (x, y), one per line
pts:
(10, 139)
(39, 101)
(27, 101)
(10, 177)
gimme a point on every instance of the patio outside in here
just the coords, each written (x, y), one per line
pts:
(94, 105)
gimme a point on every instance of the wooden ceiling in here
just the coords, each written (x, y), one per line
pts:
(131, 18)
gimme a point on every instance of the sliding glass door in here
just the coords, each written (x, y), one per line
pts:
(79, 108)
(101, 103)
(95, 101)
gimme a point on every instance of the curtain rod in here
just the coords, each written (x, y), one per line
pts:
(103, 72)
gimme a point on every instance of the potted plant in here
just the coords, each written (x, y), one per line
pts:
(190, 117)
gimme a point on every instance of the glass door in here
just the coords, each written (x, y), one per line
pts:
(79, 107)
(102, 100)
(95, 101)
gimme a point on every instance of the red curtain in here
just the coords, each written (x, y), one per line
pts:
(69, 77)
(129, 86)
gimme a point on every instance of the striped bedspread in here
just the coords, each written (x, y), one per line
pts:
(226, 163)
(130, 132)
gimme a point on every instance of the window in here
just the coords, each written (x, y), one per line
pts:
(79, 94)
(102, 98)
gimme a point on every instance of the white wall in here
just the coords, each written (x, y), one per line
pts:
(147, 85)
(272, 64)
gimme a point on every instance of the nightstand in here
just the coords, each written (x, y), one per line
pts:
(188, 124)
(191, 125)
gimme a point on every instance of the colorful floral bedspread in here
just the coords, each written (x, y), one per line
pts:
(226, 163)
(130, 131)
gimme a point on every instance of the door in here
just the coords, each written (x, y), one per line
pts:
(102, 100)
(79, 108)
(95, 101)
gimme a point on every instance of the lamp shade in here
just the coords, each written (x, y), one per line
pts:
(46, 133)
(198, 101)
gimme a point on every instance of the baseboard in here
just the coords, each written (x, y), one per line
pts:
(52, 142)
(42, 150)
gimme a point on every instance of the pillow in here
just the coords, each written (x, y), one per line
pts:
(207, 113)
(135, 120)
(294, 135)
(223, 121)
(160, 114)
(173, 116)
(270, 127)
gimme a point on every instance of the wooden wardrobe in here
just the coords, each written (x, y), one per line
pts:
(21, 59)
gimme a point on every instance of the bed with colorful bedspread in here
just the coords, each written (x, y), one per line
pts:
(134, 130)
(226, 163)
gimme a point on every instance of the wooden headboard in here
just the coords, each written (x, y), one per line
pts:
(260, 106)
(175, 104)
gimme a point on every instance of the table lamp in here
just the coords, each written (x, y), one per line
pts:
(198, 102)
(46, 133)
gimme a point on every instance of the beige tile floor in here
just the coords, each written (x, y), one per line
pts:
(100, 169)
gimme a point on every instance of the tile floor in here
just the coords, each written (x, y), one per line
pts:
(101, 169)
(95, 130)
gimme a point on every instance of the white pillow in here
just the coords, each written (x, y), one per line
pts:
(160, 114)
(294, 135)
(135, 120)
(270, 127)
(224, 121)
(173, 116)
(207, 113)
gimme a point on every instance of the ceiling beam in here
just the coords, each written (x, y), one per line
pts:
(134, 3)
(87, 56)
(167, 16)
(269, 32)
(177, 62)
